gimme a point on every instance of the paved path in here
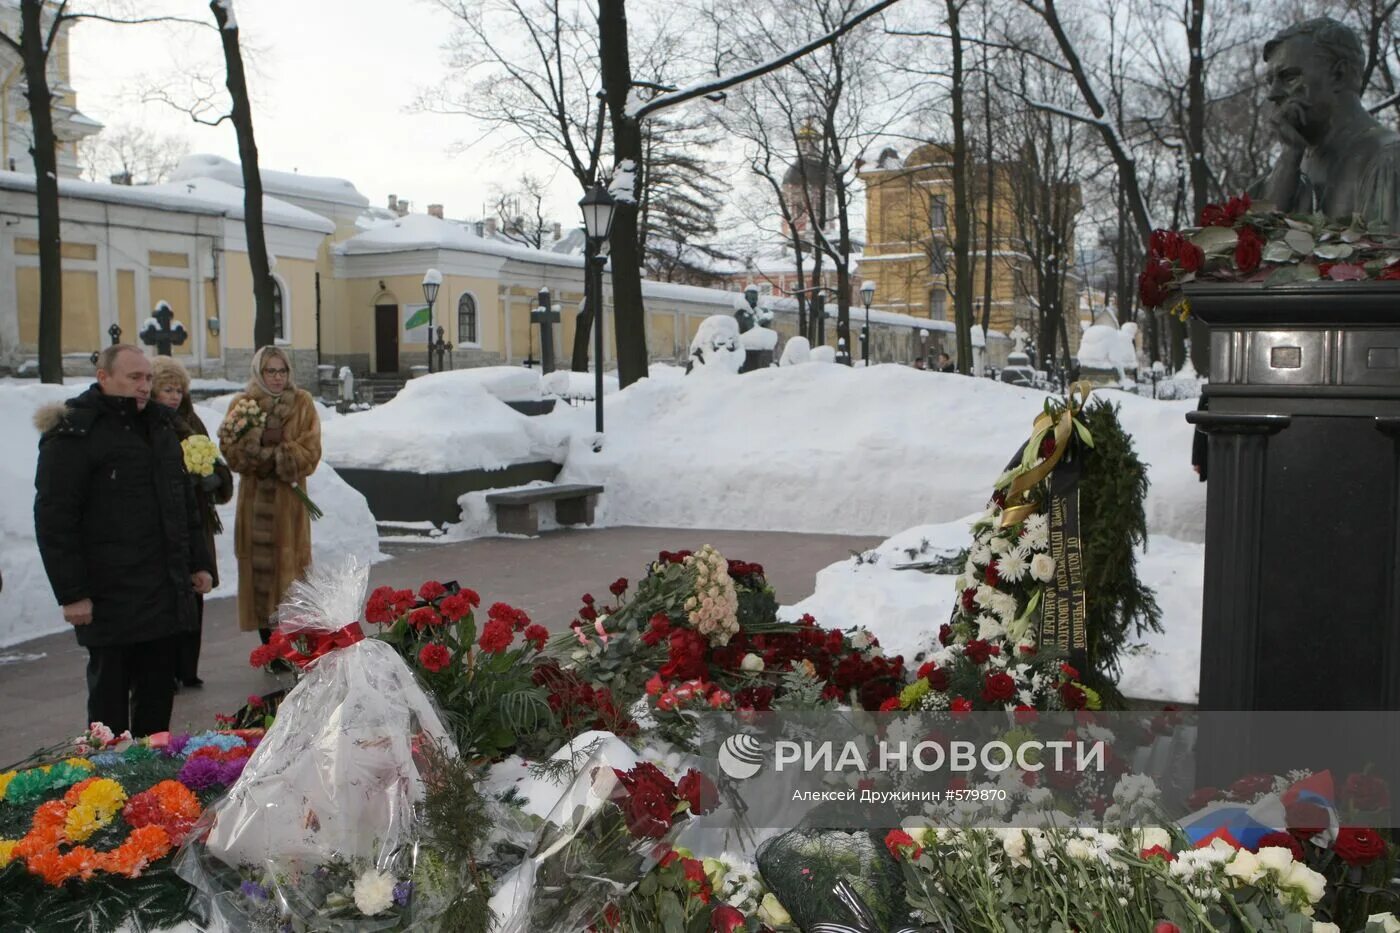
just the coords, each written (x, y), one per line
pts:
(43, 700)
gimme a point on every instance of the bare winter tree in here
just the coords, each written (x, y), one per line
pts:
(520, 211)
(39, 27)
(133, 154)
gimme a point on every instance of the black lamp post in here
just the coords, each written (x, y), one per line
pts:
(598, 207)
(432, 281)
(867, 295)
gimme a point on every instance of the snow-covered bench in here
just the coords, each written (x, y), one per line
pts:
(516, 514)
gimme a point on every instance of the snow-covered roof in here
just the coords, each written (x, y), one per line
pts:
(192, 196)
(287, 184)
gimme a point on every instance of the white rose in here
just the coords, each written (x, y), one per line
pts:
(860, 639)
(1387, 921)
(1245, 867)
(1320, 927)
(1276, 859)
(751, 663)
(374, 892)
(1311, 883)
(772, 911)
(1154, 836)
(1013, 843)
(1043, 567)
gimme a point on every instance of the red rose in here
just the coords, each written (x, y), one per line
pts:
(1192, 258)
(1249, 250)
(1390, 273)
(254, 700)
(960, 705)
(430, 591)
(424, 617)
(977, 651)
(693, 870)
(588, 614)
(699, 791)
(686, 660)
(835, 641)
(1069, 671)
(1152, 283)
(588, 599)
(1281, 841)
(536, 636)
(1047, 447)
(455, 607)
(1251, 786)
(1367, 792)
(1202, 796)
(496, 636)
(945, 633)
(998, 687)
(648, 813)
(1213, 215)
(937, 679)
(618, 587)
(991, 575)
(1236, 207)
(726, 919)
(1357, 846)
(1025, 714)
(434, 657)
(1072, 697)
(969, 601)
(1165, 855)
(658, 627)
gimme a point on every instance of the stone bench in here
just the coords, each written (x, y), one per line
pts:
(516, 513)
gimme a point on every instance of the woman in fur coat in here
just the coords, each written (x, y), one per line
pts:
(170, 386)
(272, 533)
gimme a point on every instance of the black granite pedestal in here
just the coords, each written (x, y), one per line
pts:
(1301, 608)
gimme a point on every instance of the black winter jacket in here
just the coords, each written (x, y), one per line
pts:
(116, 520)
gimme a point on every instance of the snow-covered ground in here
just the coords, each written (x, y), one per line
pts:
(904, 608)
(27, 607)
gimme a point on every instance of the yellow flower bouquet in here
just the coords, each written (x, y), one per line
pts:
(200, 455)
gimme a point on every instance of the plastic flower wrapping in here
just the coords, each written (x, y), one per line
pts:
(322, 828)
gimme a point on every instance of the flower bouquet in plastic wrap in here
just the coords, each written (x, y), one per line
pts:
(602, 837)
(324, 828)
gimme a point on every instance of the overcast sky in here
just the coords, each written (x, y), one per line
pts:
(333, 85)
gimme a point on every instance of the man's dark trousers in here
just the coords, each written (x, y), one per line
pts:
(133, 686)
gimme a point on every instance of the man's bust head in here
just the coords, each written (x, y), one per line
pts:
(1314, 75)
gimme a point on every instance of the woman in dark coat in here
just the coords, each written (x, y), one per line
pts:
(170, 386)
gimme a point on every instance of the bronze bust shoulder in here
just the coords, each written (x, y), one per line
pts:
(1337, 158)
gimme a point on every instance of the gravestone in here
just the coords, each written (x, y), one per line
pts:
(1302, 578)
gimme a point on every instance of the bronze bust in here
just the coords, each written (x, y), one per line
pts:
(1337, 159)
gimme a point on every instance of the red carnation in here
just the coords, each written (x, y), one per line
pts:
(424, 617)
(890, 705)
(471, 597)
(897, 841)
(991, 575)
(960, 705)
(1192, 257)
(1166, 926)
(1249, 250)
(1025, 714)
(1281, 841)
(404, 600)
(379, 608)
(699, 791)
(1165, 855)
(536, 636)
(496, 636)
(1367, 792)
(969, 602)
(434, 657)
(618, 587)
(262, 656)
(1072, 697)
(1357, 846)
(1070, 672)
(998, 687)
(945, 634)
(431, 590)
(455, 607)
(726, 919)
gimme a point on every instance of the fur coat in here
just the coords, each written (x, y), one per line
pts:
(272, 531)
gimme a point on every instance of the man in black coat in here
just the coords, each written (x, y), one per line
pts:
(120, 537)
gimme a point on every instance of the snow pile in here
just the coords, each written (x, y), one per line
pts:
(841, 450)
(717, 347)
(904, 608)
(566, 384)
(759, 338)
(796, 350)
(507, 383)
(439, 424)
(1107, 347)
(27, 607)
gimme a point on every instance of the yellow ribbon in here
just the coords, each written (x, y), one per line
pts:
(1019, 503)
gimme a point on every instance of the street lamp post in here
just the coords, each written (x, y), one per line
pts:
(819, 314)
(867, 295)
(432, 281)
(598, 208)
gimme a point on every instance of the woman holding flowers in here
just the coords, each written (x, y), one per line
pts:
(213, 486)
(271, 437)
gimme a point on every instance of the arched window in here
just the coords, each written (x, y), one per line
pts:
(279, 311)
(466, 319)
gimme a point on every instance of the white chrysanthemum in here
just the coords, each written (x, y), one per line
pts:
(1036, 540)
(969, 572)
(1043, 568)
(1012, 565)
(999, 544)
(989, 627)
(980, 555)
(1037, 522)
(374, 892)
(1004, 605)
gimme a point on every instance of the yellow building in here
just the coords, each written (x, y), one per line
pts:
(909, 235)
(70, 126)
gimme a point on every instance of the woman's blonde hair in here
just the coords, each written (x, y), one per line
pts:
(168, 371)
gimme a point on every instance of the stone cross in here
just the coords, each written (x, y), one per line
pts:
(1019, 336)
(546, 316)
(160, 334)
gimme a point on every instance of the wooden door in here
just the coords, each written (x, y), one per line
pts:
(386, 338)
